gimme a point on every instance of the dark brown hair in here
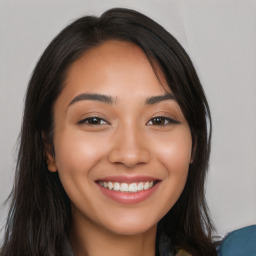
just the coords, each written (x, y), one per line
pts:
(39, 219)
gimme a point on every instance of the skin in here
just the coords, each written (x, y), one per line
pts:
(128, 141)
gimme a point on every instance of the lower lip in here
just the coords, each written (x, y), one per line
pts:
(129, 197)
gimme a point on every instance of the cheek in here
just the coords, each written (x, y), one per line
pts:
(174, 152)
(76, 155)
(77, 150)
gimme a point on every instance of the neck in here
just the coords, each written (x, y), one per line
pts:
(88, 239)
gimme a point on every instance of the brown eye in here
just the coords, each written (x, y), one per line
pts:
(161, 121)
(93, 121)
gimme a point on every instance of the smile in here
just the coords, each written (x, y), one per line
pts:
(128, 190)
(126, 187)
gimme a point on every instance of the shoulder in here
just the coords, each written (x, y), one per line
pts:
(241, 242)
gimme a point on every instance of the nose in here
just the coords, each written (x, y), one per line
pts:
(129, 148)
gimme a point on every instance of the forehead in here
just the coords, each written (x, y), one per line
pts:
(115, 65)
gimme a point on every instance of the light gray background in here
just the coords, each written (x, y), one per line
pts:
(220, 37)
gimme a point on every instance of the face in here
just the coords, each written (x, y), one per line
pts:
(122, 145)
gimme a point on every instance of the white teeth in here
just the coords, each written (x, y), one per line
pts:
(116, 186)
(146, 185)
(140, 186)
(133, 187)
(110, 185)
(125, 187)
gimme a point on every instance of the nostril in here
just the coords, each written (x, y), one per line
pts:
(129, 158)
(129, 147)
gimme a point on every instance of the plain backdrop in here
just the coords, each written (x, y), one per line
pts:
(220, 37)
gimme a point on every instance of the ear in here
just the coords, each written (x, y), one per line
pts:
(49, 154)
(51, 164)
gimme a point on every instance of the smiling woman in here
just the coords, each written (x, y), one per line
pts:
(114, 146)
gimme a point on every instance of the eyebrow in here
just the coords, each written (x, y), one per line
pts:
(96, 97)
(157, 99)
(109, 100)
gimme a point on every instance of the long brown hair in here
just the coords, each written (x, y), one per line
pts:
(39, 218)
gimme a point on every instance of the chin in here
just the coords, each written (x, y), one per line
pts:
(131, 227)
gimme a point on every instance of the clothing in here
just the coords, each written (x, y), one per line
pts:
(241, 242)
(165, 245)
(182, 253)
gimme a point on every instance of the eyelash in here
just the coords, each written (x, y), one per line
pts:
(91, 121)
(167, 121)
(94, 121)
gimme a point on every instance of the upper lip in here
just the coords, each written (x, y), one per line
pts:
(128, 179)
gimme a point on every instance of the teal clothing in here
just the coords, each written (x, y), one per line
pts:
(241, 242)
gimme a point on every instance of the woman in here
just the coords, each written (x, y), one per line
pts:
(114, 146)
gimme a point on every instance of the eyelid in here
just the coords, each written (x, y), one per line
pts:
(83, 121)
(169, 119)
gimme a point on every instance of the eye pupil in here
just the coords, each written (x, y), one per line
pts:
(93, 120)
(158, 120)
